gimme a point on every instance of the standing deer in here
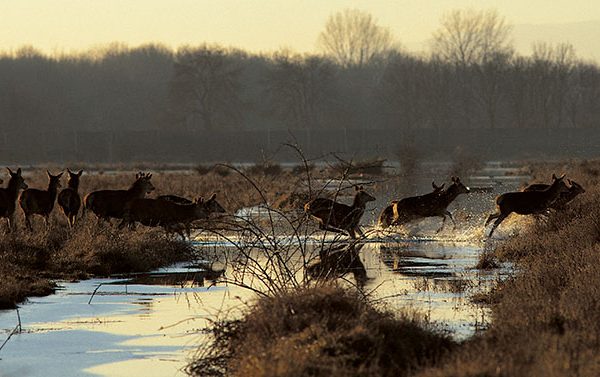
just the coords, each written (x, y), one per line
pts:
(69, 199)
(168, 214)
(40, 202)
(338, 217)
(526, 202)
(175, 199)
(387, 215)
(434, 204)
(9, 195)
(564, 198)
(111, 203)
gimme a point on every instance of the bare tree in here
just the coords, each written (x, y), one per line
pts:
(300, 88)
(468, 37)
(353, 38)
(206, 85)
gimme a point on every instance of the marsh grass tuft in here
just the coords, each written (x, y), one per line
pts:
(319, 331)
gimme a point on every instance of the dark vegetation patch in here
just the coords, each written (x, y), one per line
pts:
(319, 331)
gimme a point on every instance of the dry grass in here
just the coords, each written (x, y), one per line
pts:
(320, 331)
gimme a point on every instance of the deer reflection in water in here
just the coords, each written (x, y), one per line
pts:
(335, 261)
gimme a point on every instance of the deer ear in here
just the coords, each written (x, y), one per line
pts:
(80, 172)
(61, 173)
(212, 197)
(48, 172)
(9, 171)
(554, 176)
(19, 172)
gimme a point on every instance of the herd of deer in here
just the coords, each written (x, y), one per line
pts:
(172, 212)
(169, 211)
(535, 199)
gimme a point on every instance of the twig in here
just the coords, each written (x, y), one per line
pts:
(94, 293)
(10, 335)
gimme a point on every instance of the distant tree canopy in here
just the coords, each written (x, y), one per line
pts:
(467, 36)
(353, 38)
(473, 79)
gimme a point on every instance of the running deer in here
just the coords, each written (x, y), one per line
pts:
(564, 198)
(338, 217)
(69, 199)
(168, 214)
(387, 215)
(9, 195)
(111, 203)
(434, 204)
(40, 202)
(526, 202)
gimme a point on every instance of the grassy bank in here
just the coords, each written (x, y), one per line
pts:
(320, 331)
(29, 261)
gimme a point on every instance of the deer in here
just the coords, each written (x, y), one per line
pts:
(526, 202)
(387, 215)
(107, 204)
(40, 202)
(338, 217)
(168, 214)
(175, 199)
(564, 198)
(69, 199)
(434, 204)
(9, 195)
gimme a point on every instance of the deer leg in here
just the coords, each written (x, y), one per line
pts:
(28, 223)
(351, 233)
(491, 217)
(443, 216)
(123, 223)
(451, 218)
(501, 218)
(10, 221)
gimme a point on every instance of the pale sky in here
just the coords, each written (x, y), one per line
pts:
(266, 25)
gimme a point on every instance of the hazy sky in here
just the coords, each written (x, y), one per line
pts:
(256, 25)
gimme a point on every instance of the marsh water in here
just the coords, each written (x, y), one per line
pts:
(152, 324)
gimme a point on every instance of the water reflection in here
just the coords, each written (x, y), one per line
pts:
(335, 261)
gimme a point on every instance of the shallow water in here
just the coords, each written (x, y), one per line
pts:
(153, 325)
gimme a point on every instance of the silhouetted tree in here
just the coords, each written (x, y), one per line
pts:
(206, 85)
(300, 89)
(353, 38)
(471, 37)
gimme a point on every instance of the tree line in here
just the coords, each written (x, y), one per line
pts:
(360, 79)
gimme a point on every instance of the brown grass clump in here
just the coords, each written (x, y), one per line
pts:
(29, 260)
(320, 331)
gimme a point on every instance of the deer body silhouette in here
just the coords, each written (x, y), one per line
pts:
(69, 199)
(338, 217)
(40, 202)
(106, 204)
(9, 195)
(526, 202)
